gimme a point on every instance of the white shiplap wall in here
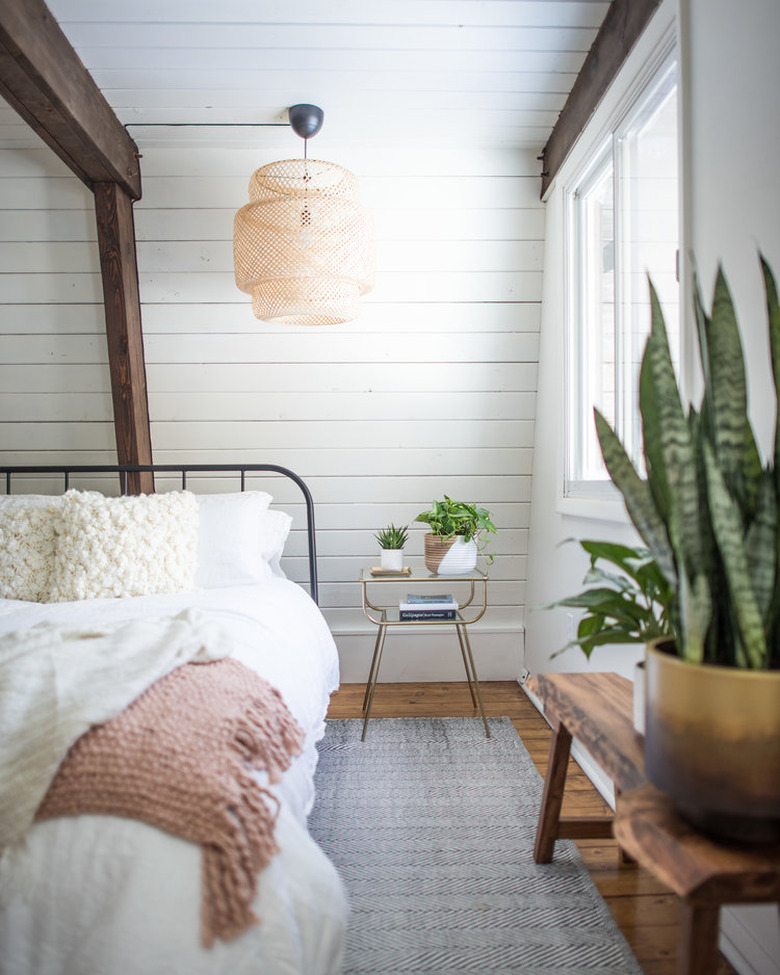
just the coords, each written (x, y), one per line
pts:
(431, 390)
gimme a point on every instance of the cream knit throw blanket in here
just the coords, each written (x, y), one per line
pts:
(179, 758)
(56, 681)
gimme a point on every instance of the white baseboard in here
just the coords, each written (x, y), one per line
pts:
(749, 937)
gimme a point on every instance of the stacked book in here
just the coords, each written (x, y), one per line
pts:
(436, 607)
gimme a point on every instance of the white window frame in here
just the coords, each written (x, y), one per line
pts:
(604, 151)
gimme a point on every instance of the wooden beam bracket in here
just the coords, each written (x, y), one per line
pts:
(42, 77)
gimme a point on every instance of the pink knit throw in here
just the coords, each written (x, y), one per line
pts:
(179, 758)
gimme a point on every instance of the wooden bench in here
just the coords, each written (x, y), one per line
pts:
(597, 710)
(703, 873)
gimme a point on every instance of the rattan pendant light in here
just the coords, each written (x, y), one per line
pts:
(303, 247)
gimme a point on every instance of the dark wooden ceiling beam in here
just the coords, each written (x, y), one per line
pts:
(42, 77)
(622, 26)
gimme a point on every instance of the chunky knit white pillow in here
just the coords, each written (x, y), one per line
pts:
(128, 546)
(27, 540)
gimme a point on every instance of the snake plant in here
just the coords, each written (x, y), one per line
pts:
(707, 508)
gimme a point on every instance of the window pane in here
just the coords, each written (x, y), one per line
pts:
(597, 387)
(648, 231)
(623, 229)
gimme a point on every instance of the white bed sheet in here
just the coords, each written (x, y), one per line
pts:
(96, 895)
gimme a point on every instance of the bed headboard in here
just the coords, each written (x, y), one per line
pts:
(240, 470)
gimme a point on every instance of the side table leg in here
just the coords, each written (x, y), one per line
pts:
(463, 632)
(697, 946)
(374, 676)
(552, 796)
(466, 667)
(370, 679)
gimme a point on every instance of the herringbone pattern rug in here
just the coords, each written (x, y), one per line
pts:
(431, 826)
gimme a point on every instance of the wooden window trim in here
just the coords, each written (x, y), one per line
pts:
(623, 25)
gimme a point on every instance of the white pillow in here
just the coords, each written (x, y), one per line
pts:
(229, 539)
(27, 541)
(274, 530)
(127, 546)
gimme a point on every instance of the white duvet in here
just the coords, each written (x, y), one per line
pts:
(96, 895)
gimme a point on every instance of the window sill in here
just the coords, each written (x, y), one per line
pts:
(600, 509)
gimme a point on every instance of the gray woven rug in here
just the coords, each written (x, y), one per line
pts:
(431, 826)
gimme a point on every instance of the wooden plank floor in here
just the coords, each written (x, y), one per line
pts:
(643, 908)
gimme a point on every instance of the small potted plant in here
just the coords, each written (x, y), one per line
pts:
(457, 534)
(391, 542)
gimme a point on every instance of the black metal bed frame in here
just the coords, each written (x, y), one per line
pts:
(124, 470)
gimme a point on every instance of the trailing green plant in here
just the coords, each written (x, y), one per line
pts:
(450, 518)
(626, 603)
(707, 508)
(392, 537)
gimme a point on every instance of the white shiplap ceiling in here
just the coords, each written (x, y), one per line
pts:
(386, 72)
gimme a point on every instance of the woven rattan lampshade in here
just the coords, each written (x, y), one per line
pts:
(303, 246)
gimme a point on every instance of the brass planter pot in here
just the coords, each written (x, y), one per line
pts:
(712, 743)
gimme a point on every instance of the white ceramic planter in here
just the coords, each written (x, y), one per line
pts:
(392, 559)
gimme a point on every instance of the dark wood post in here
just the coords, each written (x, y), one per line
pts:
(118, 264)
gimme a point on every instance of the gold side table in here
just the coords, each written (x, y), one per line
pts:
(388, 616)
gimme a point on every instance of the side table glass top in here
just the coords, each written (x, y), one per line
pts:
(420, 573)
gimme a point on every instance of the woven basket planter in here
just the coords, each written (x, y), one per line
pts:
(450, 556)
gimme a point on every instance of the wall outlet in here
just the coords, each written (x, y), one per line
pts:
(571, 631)
(525, 673)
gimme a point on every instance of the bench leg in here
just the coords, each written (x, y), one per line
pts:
(552, 797)
(697, 947)
(624, 857)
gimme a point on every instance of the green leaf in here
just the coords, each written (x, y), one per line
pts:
(619, 555)
(726, 387)
(651, 404)
(598, 576)
(669, 451)
(602, 637)
(695, 616)
(773, 311)
(761, 547)
(605, 601)
(727, 527)
(748, 484)
(638, 499)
